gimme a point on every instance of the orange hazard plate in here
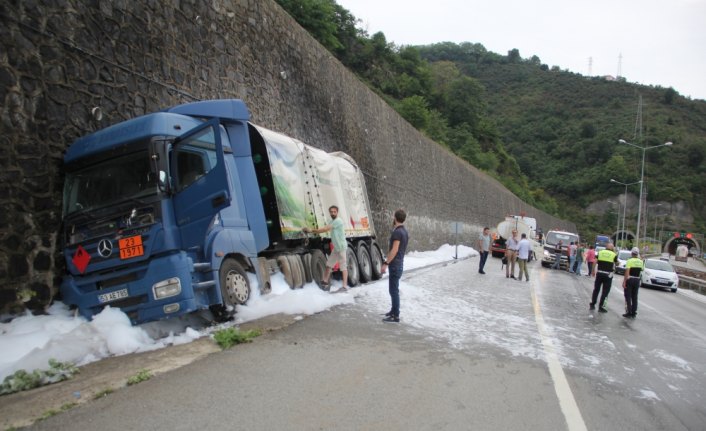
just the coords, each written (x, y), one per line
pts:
(131, 247)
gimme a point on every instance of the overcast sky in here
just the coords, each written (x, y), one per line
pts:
(662, 42)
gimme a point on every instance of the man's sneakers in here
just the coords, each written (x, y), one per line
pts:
(512, 276)
(602, 310)
(391, 319)
(630, 315)
(481, 272)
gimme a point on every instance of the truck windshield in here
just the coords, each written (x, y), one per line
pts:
(121, 178)
(566, 238)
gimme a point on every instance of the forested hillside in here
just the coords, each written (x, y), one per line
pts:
(550, 136)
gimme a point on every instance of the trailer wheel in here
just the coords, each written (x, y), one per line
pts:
(306, 260)
(318, 267)
(286, 270)
(376, 261)
(352, 266)
(297, 270)
(364, 263)
(235, 289)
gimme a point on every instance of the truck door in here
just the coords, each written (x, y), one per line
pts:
(199, 180)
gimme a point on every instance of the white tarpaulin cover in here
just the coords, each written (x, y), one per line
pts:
(308, 181)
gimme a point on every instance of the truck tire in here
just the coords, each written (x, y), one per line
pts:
(285, 269)
(375, 261)
(306, 260)
(297, 270)
(364, 262)
(318, 267)
(353, 271)
(235, 290)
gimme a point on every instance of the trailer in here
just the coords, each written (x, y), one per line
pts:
(172, 212)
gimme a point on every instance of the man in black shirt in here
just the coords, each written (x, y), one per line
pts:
(604, 276)
(395, 262)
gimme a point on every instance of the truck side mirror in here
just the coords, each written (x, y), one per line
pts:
(163, 182)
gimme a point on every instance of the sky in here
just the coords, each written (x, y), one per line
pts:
(28, 342)
(662, 42)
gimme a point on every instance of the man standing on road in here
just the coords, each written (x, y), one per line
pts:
(631, 282)
(604, 276)
(395, 261)
(340, 246)
(523, 251)
(590, 260)
(511, 254)
(557, 256)
(572, 256)
(483, 248)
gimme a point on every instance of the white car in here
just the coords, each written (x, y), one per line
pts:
(659, 274)
(623, 256)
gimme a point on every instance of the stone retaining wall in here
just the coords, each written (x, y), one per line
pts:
(59, 60)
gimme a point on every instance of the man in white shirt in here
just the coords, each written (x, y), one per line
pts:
(511, 254)
(523, 251)
(483, 248)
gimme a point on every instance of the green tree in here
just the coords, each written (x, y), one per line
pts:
(415, 110)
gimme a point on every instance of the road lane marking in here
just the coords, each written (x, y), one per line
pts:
(567, 402)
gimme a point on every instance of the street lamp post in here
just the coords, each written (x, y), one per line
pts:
(642, 180)
(625, 204)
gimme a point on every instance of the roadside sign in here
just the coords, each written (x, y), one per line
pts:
(456, 228)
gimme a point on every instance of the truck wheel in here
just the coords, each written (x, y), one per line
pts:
(306, 260)
(297, 270)
(318, 267)
(285, 269)
(235, 289)
(364, 262)
(375, 261)
(353, 272)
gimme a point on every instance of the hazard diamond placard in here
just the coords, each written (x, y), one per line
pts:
(81, 259)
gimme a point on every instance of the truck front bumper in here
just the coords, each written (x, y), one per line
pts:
(132, 290)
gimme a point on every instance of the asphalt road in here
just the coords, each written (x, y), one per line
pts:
(472, 352)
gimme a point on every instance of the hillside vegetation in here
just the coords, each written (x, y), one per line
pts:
(549, 135)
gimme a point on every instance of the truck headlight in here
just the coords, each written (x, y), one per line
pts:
(167, 288)
(546, 253)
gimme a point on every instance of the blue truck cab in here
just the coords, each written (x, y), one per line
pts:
(152, 207)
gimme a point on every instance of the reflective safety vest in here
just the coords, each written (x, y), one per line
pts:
(606, 258)
(634, 266)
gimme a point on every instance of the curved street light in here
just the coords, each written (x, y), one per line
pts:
(625, 203)
(642, 180)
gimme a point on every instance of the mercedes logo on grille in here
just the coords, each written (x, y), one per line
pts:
(105, 248)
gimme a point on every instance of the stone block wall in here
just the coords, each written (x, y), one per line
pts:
(61, 59)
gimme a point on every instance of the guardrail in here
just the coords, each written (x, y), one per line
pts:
(692, 283)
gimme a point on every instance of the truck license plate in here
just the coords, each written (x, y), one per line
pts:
(112, 296)
(131, 247)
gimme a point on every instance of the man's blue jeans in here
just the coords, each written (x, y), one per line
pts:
(572, 259)
(394, 279)
(483, 259)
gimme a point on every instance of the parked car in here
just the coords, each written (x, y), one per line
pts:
(623, 256)
(659, 274)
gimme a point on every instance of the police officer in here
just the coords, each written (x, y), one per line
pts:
(631, 282)
(604, 276)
